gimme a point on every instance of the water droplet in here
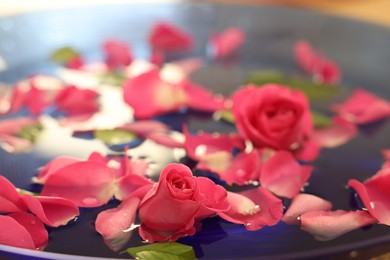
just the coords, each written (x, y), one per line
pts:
(33, 222)
(255, 183)
(241, 172)
(88, 201)
(248, 224)
(372, 204)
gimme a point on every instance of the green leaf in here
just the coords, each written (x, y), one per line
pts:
(112, 137)
(225, 115)
(320, 120)
(312, 90)
(113, 78)
(64, 55)
(30, 132)
(163, 251)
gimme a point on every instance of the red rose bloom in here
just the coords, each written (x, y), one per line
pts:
(169, 210)
(272, 116)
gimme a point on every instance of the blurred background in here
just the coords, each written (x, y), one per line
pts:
(375, 11)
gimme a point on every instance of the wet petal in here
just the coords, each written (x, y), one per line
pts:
(167, 37)
(204, 100)
(375, 193)
(149, 96)
(12, 233)
(227, 42)
(339, 133)
(314, 63)
(10, 200)
(113, 224)
(34, 226)
(254, 208)
(130, 183)
(215, 198)
(117, 53)
(363, 107)
(303, 203)
(52, 167)
(87, 184)
(283, 175)
(53, 211)
(327, 225)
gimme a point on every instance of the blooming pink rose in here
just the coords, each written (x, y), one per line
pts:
(169, 210)
(272, 116)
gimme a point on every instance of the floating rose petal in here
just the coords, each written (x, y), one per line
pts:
(114, 224)
(253, 208)
(283, 175)
(204, 100)
(52, 167)
(309, 151)
(241, 169)
(327, 225)
(172, 140)
(166, 37)
(34, 226)
(12, 233)
(144, 127)
(87, 184)
(375, 194)
(10, 200)
(149, 96)
(204, 144)
(226, 42)
(303, 203)
(313, 62)
(32, 98)
(14, 125)
(215, 198)
(363, 107)
(77, 102)
(53, 211)
(130, 183)
(117, 53)
(14, 144)
(339, 133)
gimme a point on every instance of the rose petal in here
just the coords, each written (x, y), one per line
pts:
(130, 183)
(117, 53)
(113, 224)
(363, 107)
(52, 167)
(53, 211)
(240, 170)
(204, 100)
(375, 193)
(254, 208)
(309, 151)
(12, 233)
(144, 127)
(166, 37)
(327, 225)
(77, 102)
(166, 139)
(303, 203)
(149, 96)
(10, 200)
(339, 133)
(283, 175)
(87, 184)
(313, 62)
(13, 125)
(215, 198)
(34, 226)
(14, 144)
(226, 42)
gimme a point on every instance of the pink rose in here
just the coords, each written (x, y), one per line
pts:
(172, 207)
(272, 116)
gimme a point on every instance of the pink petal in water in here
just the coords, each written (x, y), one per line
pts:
(226, 42)
(12, 233)
(87, 184)
(283, 175)
(327, 225)
(303, 203)
(253, 208)
(363, 107)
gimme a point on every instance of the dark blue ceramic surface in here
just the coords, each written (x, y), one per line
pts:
(362, 51)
